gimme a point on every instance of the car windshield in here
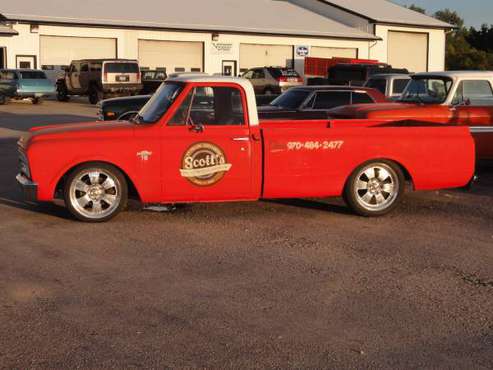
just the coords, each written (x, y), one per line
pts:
(33, 75)
(291, 99)
(160, 102)
(431, 90)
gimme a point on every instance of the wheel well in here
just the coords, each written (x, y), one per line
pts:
(132, 189)
(405, 172)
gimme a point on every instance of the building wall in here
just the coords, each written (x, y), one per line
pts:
(127, 42)
(436, 50)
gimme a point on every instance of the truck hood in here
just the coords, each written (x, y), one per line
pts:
(387, 111)
(92, 129)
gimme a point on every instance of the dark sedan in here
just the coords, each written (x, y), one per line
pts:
(313, 102)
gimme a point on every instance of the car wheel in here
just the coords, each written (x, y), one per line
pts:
(268, 92)
(95, 192)
(3, 100)
(375, 188)
(95, 95)
(62, 93)
(36, 101)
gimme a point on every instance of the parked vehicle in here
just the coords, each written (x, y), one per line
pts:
(316, 69)
(151, 80)
(119, 108)
(272, 80)
(100, 78)
(454, 98)
(358, 74)
(391, 85)
(55, 73)
(199, 139)
(313, 102)
(24, 84)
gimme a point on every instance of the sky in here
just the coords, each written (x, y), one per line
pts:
(474, 12)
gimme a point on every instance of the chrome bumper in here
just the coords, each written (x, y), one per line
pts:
(29, 188)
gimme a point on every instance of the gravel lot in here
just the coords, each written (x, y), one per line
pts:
(291, 284)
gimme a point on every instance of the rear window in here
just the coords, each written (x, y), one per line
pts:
(347, 75)
(379, 84)
(291, 99)
(121, 68)
(361, 98)
(33, 75)
(283, 72)
(331, 99)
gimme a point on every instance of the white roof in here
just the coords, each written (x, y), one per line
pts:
(252, 16)
(383, 11)
(455, 74)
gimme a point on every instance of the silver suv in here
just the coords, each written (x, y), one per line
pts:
(273, 80)
(391, 85)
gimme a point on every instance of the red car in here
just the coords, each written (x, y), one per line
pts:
(451, 98)
(199, 139)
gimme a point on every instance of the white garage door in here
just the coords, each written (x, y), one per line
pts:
(323, 52)
(61, 50)
(408, 50)
(252, 55)
(175, 56)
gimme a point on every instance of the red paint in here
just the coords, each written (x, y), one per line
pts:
(266, 162)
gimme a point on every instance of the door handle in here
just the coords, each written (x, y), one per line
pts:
(241, 138)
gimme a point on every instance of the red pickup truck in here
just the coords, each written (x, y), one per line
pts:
(452, 98)
(199, 139)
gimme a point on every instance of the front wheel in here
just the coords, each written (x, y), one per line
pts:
(3, 99)
(375, 188)
(62, 93)
(37, 101)
(95, 95)
(95, 192)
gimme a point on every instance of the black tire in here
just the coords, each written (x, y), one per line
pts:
(3, 100)
(268, 91)
(97, 202)
(95, 95)
(62, 93)
(375, 188)
(37, 101)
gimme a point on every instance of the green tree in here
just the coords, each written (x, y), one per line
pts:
(417, 8)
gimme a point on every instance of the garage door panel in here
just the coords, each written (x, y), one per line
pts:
(408, 50)
(172, 55)
(326, 52)
(254, 55)
(61, 50)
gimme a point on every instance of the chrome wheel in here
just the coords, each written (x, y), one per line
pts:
(376, 187)
(95, 193)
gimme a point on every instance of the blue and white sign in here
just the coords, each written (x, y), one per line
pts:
(302, 51)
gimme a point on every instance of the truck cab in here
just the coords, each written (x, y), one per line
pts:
(199, 139)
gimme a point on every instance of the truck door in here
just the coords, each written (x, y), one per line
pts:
(207, 147)
(73, 77)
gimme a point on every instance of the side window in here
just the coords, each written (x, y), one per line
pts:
(379, 84)
(475, 93)
(74, 68)
(248, 75)
(399, 86)
(84, 67)
(331, 99)
(210, 106)
(96, 67)
(258, 74)
(361, 98)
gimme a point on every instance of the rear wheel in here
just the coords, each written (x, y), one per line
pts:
(95, 95)
(62, 93)
(3, 99)
(95, 192)
(268, 91)
(36, 101)
(375, 188)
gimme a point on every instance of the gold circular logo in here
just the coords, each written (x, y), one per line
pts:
(204, 164)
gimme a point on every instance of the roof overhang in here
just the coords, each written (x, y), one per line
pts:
(38, 19)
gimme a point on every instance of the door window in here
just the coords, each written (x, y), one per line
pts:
(361, 98)
(475, 93)
(379, 84)
(211, 106)
(258, 74)
(74, 68)
(248, 75)
(331, 99)
(84, 67)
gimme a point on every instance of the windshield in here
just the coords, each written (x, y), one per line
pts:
(159, 104)
(33, 75)
(291, 99)
(427, 90)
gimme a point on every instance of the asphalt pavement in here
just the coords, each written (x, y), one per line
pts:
(275, 284)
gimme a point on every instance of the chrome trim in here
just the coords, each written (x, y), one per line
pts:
(481, 129)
